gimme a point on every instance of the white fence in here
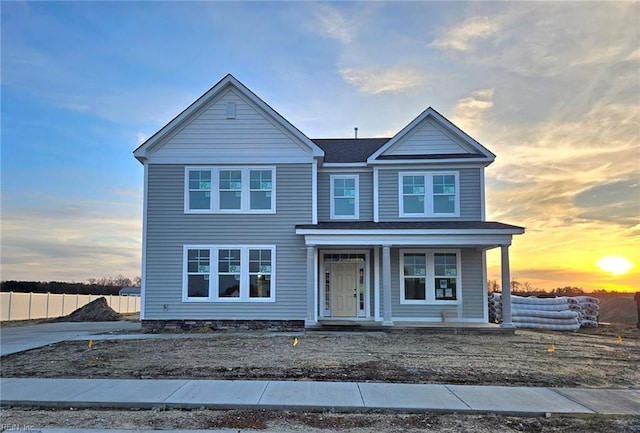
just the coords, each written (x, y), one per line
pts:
(26, 306)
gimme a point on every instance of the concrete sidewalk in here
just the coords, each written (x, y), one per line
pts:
(315, 396)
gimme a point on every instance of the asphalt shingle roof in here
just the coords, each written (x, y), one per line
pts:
(344, 150)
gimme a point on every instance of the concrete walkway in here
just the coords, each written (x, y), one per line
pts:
(315, 396)
(16, 339)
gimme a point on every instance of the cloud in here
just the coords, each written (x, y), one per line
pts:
(333, 24)
(66, 238)
(463, 36)
(375, 80)
(468, 112)
(549, 39)
(617, 202)
(547, 164)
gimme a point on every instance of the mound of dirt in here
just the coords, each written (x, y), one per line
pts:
(620, 308)
(94, 311)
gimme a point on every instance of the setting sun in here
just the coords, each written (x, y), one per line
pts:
(617, 265)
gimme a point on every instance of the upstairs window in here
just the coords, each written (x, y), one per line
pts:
(344, 197)
(429, 194)
(230, 190)
(199, 189)
(444, 193)
(261, 189)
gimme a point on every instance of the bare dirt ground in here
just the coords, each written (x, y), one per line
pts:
(605, 357)
(293, 422)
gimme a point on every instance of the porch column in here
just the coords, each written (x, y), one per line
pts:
(506, 287)
(386, 285)
(311, 271)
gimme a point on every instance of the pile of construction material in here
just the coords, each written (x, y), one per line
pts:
(557, 314)
(588, 309)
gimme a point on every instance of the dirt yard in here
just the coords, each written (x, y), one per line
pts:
(604, 357)
(608, 356)
(296, 422)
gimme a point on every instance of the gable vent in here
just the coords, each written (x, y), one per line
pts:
(231, 110)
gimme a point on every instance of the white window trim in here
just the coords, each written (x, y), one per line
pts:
(213, 273)
(428, 194)
(356, 208)
(215, 191)
(430, 295)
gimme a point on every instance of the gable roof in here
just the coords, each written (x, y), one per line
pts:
(220, 87)
(346, 150)
(461, 146)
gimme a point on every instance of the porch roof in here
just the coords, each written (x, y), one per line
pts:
(483, 234)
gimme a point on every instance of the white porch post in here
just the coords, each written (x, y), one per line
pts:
(507, 321)
(386, 286)
(311, 319)
(376, 284)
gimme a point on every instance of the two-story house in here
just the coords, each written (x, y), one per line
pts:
(247, 220)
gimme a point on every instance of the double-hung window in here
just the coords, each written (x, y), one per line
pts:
(197, 273)
(229, 273)
(199, 189)
(344, 197)
(429, 194)
(230, 190)
(429, 276)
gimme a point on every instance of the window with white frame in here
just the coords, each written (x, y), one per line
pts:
(198, 271)
(233, 190)
(344, 197)
(229, 273)
(199, 189)
(429, 194)
(229, 190)
(429, 276)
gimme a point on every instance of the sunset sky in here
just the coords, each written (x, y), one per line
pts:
(552, 88)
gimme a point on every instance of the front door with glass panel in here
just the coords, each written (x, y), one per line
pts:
(344, 278)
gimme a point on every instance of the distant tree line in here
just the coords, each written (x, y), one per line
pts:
(95, 286)
(526, 289)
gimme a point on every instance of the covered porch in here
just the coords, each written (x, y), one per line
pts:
(353, 273)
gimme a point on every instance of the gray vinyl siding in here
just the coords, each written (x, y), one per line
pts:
(473, 305)
(169, 229)
(470, 195)
(429, 138)
(365, 191)
(470, 295)
(211, 136)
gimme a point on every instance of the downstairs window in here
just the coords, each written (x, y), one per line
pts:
(229, 273)
(429, 276)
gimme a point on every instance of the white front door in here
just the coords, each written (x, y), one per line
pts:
(344, 277)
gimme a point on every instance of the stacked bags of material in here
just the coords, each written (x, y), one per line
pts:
(588, 309)
(544, 313)
(495, 308)
(557, 314)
